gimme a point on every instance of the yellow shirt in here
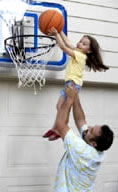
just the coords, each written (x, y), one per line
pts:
(75, 68)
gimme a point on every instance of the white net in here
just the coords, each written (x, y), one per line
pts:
(30, 62)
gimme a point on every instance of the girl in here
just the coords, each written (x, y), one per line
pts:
(86, 52)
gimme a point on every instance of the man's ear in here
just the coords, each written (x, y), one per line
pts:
(93, 143)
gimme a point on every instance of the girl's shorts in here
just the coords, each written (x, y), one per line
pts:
(62, 92)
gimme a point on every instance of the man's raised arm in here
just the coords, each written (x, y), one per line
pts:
(62, 117)
(78, 113)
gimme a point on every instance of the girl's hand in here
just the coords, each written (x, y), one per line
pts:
(52, 31)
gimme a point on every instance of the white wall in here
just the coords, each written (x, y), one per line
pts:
(27, 161)
(98, 18)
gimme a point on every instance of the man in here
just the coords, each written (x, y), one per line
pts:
(78, 167)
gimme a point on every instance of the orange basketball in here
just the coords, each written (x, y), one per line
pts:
(50, 18)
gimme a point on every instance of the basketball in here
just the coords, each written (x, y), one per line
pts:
(50, 18)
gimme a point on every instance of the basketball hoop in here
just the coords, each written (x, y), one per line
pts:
(30, 61)
(29, 53)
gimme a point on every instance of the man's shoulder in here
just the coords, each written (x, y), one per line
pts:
(71, 133)
(83, 128)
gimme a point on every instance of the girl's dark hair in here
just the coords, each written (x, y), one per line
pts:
(94, 59)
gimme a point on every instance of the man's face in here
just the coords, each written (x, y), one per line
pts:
(91, 133)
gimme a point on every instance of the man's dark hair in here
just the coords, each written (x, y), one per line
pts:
(105, 140)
